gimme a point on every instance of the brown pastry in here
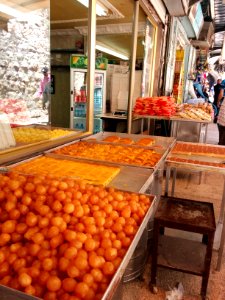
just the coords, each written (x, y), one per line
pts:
(112, 139)
(126, 141)
(145, 142)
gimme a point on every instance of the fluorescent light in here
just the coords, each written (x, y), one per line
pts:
(100, 10)
(10, 11)
(111, 52)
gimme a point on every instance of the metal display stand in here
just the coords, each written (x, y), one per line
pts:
(176, 126)
(133, 179)
(196, 163)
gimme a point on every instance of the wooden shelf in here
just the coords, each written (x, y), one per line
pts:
(181, 255)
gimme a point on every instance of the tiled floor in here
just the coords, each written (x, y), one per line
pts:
(187, 186)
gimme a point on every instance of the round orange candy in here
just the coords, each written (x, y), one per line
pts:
(89, 244)
(81, 263)
(110, 253)
(24, 279)
(108, 268)
(97, 274)
(81, 289)
(53, 283)
(69, 284)
(9, 226)
(70, 252)
(88, 279)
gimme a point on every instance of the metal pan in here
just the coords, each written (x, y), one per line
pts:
(160, 141)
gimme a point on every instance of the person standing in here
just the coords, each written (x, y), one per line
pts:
(218, 97)
(44, 88)
(217, 92)
(221, 124)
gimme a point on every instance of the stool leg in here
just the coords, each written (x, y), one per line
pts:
(154, 255)
(207, 263)
(167, 181)
(174, 181)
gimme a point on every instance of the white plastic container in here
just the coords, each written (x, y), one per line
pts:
(7, 139)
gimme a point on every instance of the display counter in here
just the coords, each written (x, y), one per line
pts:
(198, 158)
(25, 149)
(146, 205)
(131, 178)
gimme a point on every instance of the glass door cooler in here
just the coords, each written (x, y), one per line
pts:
(78, 81)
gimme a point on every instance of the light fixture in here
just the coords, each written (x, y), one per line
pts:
(100, 9)
(10, 11)
(111, 52)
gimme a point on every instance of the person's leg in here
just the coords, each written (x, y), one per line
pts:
(198, 87)
(221, 135)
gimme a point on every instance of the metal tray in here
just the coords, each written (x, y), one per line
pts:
(192, 162)
(120, 271)
(172, 118)
(7, 293)
(163, 153)
(132, 179)
(160, 141)
(11, 294)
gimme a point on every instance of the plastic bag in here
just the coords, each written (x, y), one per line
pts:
(176, 293)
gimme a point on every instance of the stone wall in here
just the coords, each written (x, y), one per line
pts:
(24, 51)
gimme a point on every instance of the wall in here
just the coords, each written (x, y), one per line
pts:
(24, 50)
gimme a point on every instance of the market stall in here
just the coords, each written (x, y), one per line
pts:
(85, 241)
(199, 158)
(32, 139)
(137, 174)
(185, 120)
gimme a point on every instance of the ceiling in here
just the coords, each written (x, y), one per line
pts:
(219, 27)
(114, 30)
(70, 15)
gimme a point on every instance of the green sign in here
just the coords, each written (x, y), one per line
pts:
(81, 62)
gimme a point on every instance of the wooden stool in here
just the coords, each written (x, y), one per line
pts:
(178, 253)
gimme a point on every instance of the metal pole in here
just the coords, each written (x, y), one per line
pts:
(132, 65)
(91, 64)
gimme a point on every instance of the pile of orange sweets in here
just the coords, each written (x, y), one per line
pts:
(64, 239)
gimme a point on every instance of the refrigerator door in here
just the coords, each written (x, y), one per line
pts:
(79, 99)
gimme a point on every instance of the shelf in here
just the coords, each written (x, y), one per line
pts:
(181, 255)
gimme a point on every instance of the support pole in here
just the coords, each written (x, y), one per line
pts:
(91, 64)
(132, 65)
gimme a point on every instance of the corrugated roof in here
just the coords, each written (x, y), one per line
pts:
(219, 24)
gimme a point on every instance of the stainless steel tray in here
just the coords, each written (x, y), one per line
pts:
(160, 141)
(193, 160)
(7, 293)
(11, 294)
(163, 153)
(120, 271)
(132, 179)
(172, 118)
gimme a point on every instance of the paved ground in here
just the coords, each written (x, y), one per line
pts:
(187, 186)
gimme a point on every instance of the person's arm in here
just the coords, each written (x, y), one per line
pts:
(40, 89)
(220, 96)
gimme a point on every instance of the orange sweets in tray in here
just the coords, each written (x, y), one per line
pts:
(128, 141)
(93, 173)
(114, 153)
(199, 149)
(64, 238)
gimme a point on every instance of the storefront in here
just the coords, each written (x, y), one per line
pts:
(181, 53)
(178, 58)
